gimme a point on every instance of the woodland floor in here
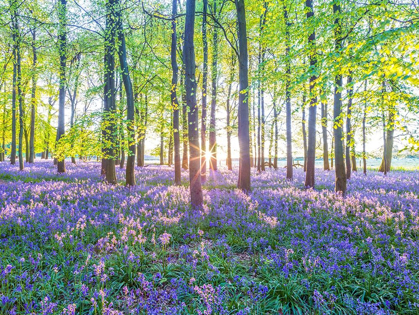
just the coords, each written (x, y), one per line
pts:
(71, 244)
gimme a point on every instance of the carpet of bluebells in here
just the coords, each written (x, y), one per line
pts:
(72, 244)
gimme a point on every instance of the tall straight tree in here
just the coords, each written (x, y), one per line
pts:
(16, 49)
(194, 150)
(243, 110)
(33, 98)
(122, 52)
(364, 121)
(214, 74)
(326, 166)
(287, 94)
(184, 121)
(311, 148)
(349, 138)
(229, 127)
(340, 181)
(109, 131)
(175, 102)
(204, 94)
(62, 47)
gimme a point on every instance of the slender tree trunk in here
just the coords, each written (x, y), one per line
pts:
(311, 148)
(364, 120)
(122, 52)
(109, 133)
(271, 143)
(349, 139)
(340, 181)
(304, 132)
(326, 166)
(21, 114)
(122, 130)
(33, 100)
(288, 96)
(144, 131)
(62, 39)
(161, 142)
(276, 141)
(243, 110)
(16, 44)
(229, 127)
(204, 95)
(255, 138)
(259, 168)
(184, 121)
(170, 146)
(214, 74)
(194, 149)
(175, 102)
(331, 152)
(3, 153)
(385, 165)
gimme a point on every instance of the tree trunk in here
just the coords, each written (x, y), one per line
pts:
(349, 139)
(288, 96)
(326, 166)
(204, 95)
(340, 181)
(62, 39)
(122, 52)
(214, 74)
(161, 141)
(170, 146)
(229, 127)
(259, 168)
(276, 142)
(364, 120)
(243, 110)
(175, 102)
(194, 149)
(311, 148)
(304, 131)
(16, 44)
(385, 165)
(255, 138)
(33, 100)
(271, 143)
(108, 161)
(184, 121)
(27, 149)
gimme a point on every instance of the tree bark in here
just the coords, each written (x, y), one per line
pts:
(243, 110)
(311, 148)
(326, 166)
(204, 94)
(349, 139)
(340, 181)
(184, 121)
(385, 165)
(175, 102)
(62, 39)
(16, 44)
(194, 149)
(214, 74)
(109, 133)
(288, 95)
(364, 120)
(229, 127)
(303, 119)
(276, 141)
(129, 93)
(33, 100)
